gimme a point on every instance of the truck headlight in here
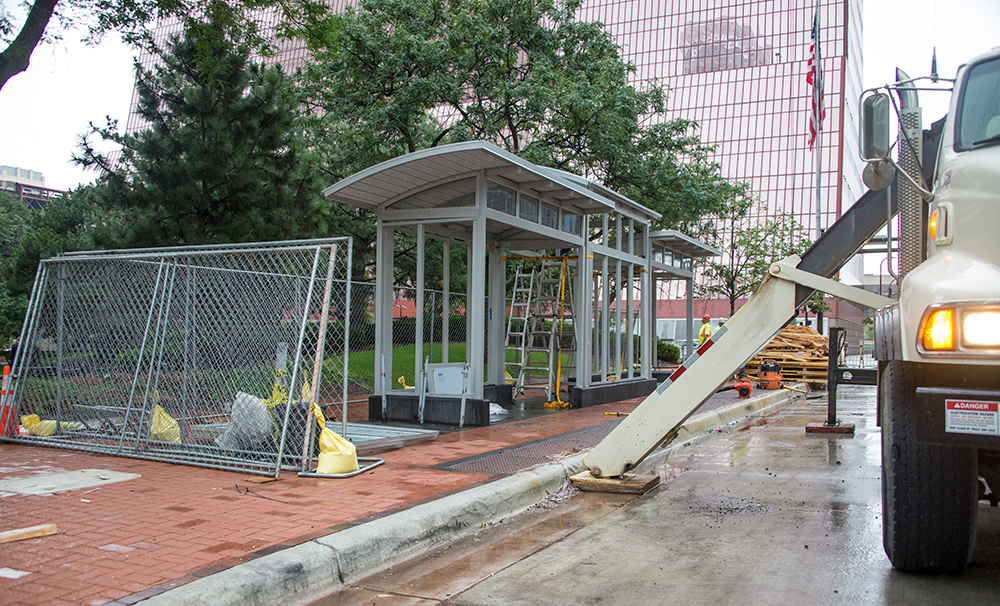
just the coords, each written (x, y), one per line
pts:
(969, 328)
(981, 329)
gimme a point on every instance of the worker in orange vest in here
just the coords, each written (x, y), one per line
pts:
(706, 329)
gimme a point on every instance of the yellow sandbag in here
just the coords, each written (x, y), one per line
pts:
(37, 427)
(336, 455)
(164, 428)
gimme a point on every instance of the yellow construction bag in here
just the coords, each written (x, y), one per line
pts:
(37, 427)
(164, 428)
(336, 455)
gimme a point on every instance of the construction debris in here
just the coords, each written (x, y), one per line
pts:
(32, 532)
(801, 352)
(629, 483)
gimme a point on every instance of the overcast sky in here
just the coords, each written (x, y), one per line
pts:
(44, 111)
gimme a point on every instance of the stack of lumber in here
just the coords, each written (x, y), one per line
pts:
(800, 351)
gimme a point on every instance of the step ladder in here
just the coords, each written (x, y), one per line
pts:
(548, 337)
(517, 328)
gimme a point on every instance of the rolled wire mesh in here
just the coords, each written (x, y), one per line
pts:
(197, 355)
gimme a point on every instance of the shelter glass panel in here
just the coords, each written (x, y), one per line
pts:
(447, 195)
(550, 216)
(572, 223)
(529, 208)
(501, 198)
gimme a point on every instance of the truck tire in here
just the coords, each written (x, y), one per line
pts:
(929, 492)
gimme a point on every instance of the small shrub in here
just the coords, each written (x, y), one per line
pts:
(668, 352)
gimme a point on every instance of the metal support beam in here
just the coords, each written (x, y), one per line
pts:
(656, 420)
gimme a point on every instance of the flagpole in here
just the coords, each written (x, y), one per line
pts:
(817, 154)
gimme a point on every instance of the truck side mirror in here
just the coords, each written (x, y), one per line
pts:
(875, 128)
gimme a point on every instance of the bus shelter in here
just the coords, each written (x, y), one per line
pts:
(500, 206)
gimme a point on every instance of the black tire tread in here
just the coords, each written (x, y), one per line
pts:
(929, 492)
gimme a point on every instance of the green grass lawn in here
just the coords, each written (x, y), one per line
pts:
(361, 364)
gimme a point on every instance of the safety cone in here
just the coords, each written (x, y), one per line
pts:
(6, 410)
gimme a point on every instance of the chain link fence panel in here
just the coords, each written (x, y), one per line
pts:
(198, 355)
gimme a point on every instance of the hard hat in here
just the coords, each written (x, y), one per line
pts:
(706, 317)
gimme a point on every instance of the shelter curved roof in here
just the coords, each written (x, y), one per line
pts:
(392, 180)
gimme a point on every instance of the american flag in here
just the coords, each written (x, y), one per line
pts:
(815, 77)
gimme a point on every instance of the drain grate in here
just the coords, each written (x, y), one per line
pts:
(511, 460)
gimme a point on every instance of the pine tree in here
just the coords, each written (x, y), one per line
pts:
(222, 160)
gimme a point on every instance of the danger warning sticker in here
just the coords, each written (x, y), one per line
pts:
(972, 416)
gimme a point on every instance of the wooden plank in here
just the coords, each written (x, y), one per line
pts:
(629, 484)
(31, 532)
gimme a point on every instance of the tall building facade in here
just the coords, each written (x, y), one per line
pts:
(738, 68)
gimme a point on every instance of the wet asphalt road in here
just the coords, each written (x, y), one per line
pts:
(762, 515)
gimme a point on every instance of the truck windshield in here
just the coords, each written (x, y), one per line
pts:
(979, 108)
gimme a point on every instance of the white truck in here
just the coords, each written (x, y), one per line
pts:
(939, 346)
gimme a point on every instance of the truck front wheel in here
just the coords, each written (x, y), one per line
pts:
(929, 492)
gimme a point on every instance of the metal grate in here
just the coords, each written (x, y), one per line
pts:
(197, 355)
(511, 460)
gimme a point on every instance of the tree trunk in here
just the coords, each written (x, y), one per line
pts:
(14, 59)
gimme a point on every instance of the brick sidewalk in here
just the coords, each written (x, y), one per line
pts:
(129, 540)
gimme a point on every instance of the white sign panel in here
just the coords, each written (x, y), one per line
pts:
(447, 380)
(972, 416)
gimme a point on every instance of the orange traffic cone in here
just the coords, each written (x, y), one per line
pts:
(6, 409)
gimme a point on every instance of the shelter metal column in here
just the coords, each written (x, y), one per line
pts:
(383, 305)
(618, 300)
(689, 309)
(498, 303)
(629, 323)
(606, 309)
(418, 345)
(630, 299)
(646, 304)
(583, 323)
(477, 292)
(445, 301)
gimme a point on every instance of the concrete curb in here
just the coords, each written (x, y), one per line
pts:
(306, 572)
(367, 548)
